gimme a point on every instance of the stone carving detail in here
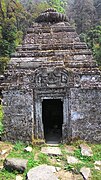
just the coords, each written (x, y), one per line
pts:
(51, 78)
(50, 15)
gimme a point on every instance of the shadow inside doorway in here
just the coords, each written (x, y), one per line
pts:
(52, 116)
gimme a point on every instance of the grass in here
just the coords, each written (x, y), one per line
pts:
(36, 158)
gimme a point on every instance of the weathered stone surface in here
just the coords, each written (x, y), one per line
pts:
(65, 175)
(42, 172)
(1, 167)
(52, 16)
(85, 172)
(97, 168)
(28, 149)
(72, 160)
(97, 165)
(4, 151)
(70, 149)
(86, 150)
(52, 63)
(54, 151)
(18, 177)
(15, 164)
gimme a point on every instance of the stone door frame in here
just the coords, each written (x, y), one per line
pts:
(51, 83)
(40, 95)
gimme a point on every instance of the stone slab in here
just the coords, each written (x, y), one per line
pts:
(65, 175)
(28, 149)
(72, 160)
(54, 151)
(70, 149)
(97, 165)
(18, 177)
(15, 164)
(86, 173)
(42, 172)
(86, 150)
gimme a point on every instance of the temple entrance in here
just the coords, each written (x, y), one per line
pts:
(52, 117)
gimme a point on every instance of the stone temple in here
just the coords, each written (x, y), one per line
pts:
(52, 86)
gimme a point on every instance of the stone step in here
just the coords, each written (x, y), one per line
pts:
(56, 46)
(49, 53)
(49, 29)
(52, 151)
(80, 64)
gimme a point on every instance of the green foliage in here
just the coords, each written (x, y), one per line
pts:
(96, 175)
(88, 161)
(59, 5)
(3, 8)
(43, 158)
(84, 15)
(3, 64)
(1, 120)
(96, 152)
(12, 18)
(36, 8)
(69, 167)
(5, 175)
(19, 36)
(93, 40)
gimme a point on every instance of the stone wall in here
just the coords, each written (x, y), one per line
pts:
(52, 63)
(18, 115)
(86, 114)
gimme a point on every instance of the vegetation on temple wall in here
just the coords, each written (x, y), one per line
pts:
(1, 119)
(3, 64)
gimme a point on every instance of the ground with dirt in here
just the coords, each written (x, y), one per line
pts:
(72, 161)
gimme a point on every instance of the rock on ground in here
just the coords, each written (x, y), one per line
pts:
(72, 160)
(28, 149)
(65, 175)
(86, 150)
(54, 151)
(5, 150)
(15, 164)
(97, 165)
(42, 172)
(18, 177)
(70, 149)
(86, 173)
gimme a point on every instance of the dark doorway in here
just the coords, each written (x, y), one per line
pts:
(52, 116)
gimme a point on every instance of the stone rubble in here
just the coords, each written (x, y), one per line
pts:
(72, 160)
(86, 150)
(28, 149)
(52, 151)
(66, 175)
(15, 164)
(86, 172)
(42, 172)
(70, 149)
(4, 151)
(97, 165)
(18, 177)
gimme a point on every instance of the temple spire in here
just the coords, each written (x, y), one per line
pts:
(52, 16)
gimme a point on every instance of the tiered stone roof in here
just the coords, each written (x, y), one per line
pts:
(53, 42)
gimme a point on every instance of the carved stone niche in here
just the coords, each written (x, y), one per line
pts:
(51, 78)
(51, 84)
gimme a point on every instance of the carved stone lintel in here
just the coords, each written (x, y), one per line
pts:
(53, 78)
